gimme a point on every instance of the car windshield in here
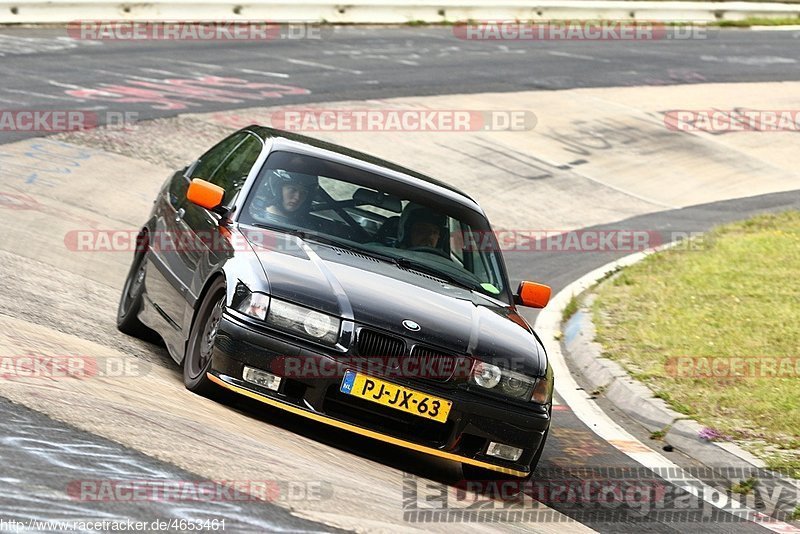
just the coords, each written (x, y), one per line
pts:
(364, 211)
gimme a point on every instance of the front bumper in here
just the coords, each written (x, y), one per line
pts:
(473, 422)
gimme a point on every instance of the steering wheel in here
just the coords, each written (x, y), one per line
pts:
(430, 250)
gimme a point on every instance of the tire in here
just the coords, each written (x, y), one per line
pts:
(472, 472)
(130, 302)
(197, 360)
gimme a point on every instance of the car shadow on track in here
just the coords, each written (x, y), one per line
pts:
(389, 455)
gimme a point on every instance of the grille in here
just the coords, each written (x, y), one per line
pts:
(433, 364)
(374, 344)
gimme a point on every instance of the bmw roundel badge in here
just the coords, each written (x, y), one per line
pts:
(411, 325)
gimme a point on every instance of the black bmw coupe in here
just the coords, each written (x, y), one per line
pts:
(347, 290)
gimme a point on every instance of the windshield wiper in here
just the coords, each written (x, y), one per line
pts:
(299, 232)
(306, 235)
(406, 263)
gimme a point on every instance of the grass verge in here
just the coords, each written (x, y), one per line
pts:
(757, 21)
(570, 309)
(682, 320)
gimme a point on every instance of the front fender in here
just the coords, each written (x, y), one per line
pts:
(231, 257)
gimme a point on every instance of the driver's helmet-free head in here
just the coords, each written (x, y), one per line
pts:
(416, 213)
(279, 178)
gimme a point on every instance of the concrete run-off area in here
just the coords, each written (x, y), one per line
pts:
(593, 156)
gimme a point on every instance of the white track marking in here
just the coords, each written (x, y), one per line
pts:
(264, 73)
(42, 95)
(578, 56)
(320, 65)
(128, 76)
(750, 60)
(64, 85)
(201, 65)
(158, 71)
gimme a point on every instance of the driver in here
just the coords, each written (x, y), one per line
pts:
(420, 226)
(290, 195)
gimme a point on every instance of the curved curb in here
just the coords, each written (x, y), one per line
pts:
(628, 395)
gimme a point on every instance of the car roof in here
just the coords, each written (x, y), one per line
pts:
(293, 142)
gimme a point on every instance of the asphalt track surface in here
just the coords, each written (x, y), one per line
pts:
(40, 69)
(44, 69)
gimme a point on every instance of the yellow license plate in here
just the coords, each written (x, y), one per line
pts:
(394, 396)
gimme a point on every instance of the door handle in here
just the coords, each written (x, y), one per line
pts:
(179, 214)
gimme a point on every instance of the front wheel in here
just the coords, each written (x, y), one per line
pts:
(200, 347)
(130, 302)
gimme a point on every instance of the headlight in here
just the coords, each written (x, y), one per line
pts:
(254, 305)
(486, 375)
(543, 391)
(517, 386)
(309, 323)
(509, 383)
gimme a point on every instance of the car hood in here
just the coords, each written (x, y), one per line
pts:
(376, 293)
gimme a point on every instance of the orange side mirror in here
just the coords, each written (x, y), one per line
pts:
(205, 194)
(533, 295)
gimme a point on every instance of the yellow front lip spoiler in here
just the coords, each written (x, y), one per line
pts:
(363, 431)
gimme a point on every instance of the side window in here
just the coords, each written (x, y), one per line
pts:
(479, 266)
(211, 160)
(178, 185)
(233, 171)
